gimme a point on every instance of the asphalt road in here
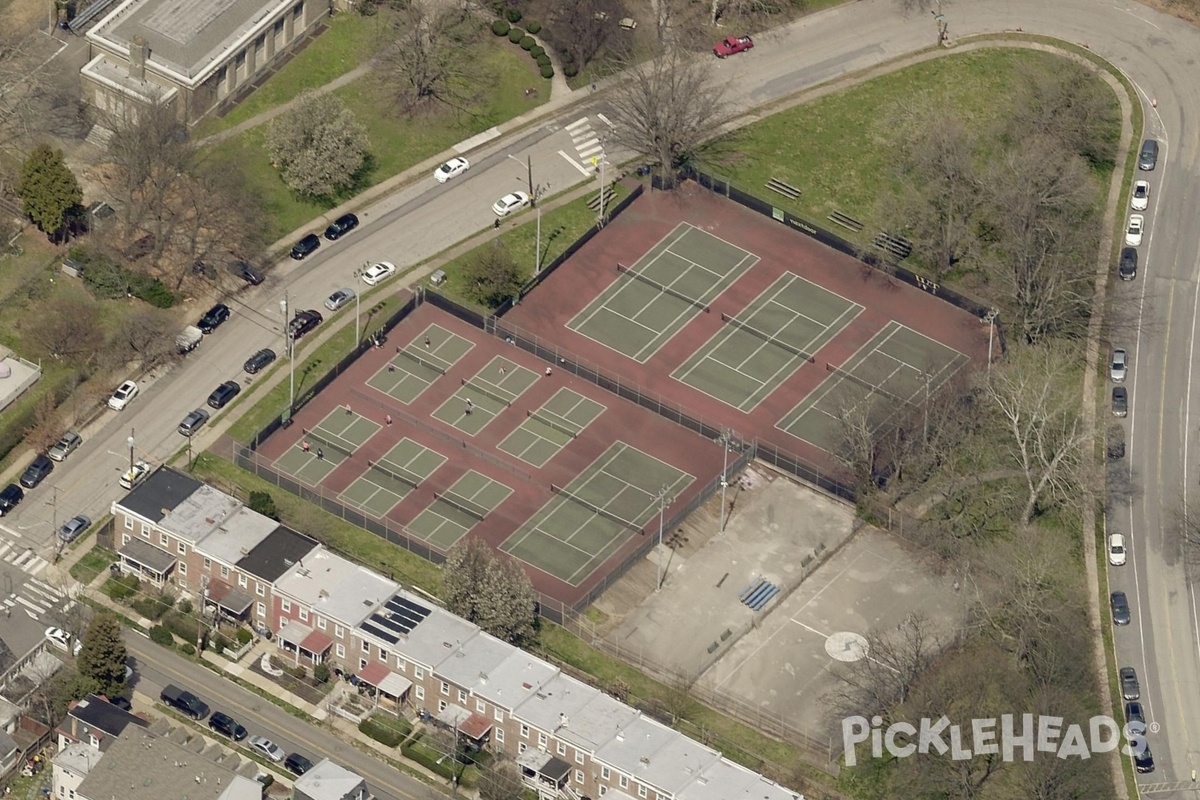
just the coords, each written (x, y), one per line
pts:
(157, 666)
(1158, 54)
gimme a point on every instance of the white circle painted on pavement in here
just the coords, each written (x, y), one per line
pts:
(846, 646)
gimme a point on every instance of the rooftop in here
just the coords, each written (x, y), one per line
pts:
(162, 491)
(575, 712)
(240, 533)
(329, 781)
(635, 746)
(725, 780)
(103, 715)
(336, 588)
(276, 554)
(186, 38)
(202, 513)
(496, 670)
(423, 632)
(148, 555)
(78, 758)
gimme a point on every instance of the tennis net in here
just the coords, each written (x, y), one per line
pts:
(766, 337)
(470, 509)
(870, 387)
(322, 442)
(595, 509)
(424, 362)
(406, 478)
(624, 270)
(487, 392)
(561, 427)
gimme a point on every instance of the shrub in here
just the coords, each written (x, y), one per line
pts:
(537, 51)
(543, 60)
(299, 672)
(513, 14)
(515, 35)
(264, 504)
(533, 26)
(428, 758)
(500, 27)
(321, 673)
(151, 290)
(160, 635)
(153, 607)
(548, 71)
(570, 70)
(185, 606)
(528, 43)
(188, 649)
(186, 628)
(244, 636)
(218, 643)
(384, 734)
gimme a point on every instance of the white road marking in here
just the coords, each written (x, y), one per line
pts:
(575, 164)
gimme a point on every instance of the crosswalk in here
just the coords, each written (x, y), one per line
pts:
(21, 557)
(589, 148)
(34, 597)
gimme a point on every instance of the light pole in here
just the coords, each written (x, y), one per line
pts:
(358, 274)
(662, 507)
(131, 444)
(529, 175)
(537, 257)
(289, 348)
(724, 476)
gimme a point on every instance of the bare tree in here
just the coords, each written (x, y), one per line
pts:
(148, 335)
(581, 29)
(427, 60)
(1069, 103)
(749, 12)
(666, 108)
(47, 425)
(37, 98)
(68, 329)
(500, 781)
(319, 147)
(894, 661)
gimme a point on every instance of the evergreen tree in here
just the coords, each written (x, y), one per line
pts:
(101, 660)
(48, 189)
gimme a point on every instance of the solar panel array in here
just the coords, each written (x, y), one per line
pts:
(397, 618)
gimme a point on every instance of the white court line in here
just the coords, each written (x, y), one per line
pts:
(575, 163)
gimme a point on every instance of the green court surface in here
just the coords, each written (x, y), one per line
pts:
(655, 298)
(588, 520)
(767, 342)
(333, 440)
(547, 430)
(485, 395)
(897, 368)
(454, 512)
(416, 365)
(388, 480)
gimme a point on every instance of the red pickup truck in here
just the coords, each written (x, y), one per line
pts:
(732, 45)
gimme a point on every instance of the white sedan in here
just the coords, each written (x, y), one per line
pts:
(1141, 196)
(135, 475)
(510, 203)
(123, 396)
(59, 638)
(1137, 226)
(451, 169)
(1116, 549)
(379, 273)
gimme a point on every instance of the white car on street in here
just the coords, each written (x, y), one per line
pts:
(379, 273)
(1141, 196)
(510, 203)
(135, 475)
(59, 638)
(451, 169)
(1137, 226)
(1116, 549)
(123, 396)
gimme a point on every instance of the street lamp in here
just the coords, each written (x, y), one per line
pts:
(724, 476)
(289, 348)
(662, 507)
(537, 257)
(529, 175)
(131, 444)
(358, 274)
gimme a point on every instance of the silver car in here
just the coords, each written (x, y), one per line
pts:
(1119, 366)
(68, 444)
(71, 529)
(339, 298)
(267, 748)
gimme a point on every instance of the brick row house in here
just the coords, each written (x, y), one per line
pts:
(570, 739)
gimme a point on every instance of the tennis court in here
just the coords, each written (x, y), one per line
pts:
(389, 479)
(547, 430)
(418, 364)
(655, 298)
(762, 346)
(897, 368)
(454, 512)
(485, 395)
(598, 511)
(322, 448)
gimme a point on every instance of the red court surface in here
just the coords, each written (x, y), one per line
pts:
(620, 421)
(545, 312)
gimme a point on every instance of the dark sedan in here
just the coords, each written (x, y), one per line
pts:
(306, 246)
(36, 472)
(224, 393)
(1120, 609)
(341, 226)
(259, 361)
(248, 272)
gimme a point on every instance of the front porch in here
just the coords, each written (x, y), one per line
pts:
(148, 562)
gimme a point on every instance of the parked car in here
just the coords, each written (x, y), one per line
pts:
(1135, 718)
(1120, 608)
(1130, 688)
(1120, 401)
(184, 702)
(248, 272)
(297, 764)
(134, 475)
(123, 396)
(227, 726)
(259, 361)
(378, 273)
(1148, 155)
(37, 471)
(9, 497)
(1116, 549)
(339, 299)
(1143, 762)
(266, 747)
(306, 247)
(341, 226)
(193, 422)
(213, 318)
(1141, 196)
(1119, 365)
(68, 444)
(221, 396)
(303, 322)
(1137, 227)
(451, 169)
(509, 203)
(59, 638)
(732, 45)
(74, 527)
(1128, 268)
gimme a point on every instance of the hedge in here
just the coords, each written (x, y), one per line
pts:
(428, 758)
(513, 14)
(533, 26)
(537, 51)
(515, 35)
(160, 635)
(543, 60)
(388, 735)
(528, 43)
(547, 71)
(500, 27)
(244, 636)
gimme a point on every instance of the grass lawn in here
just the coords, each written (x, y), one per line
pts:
(500, 75)
(837, 150)
(94, 562)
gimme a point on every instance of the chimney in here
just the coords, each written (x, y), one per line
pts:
(563, 721)
(138, 52)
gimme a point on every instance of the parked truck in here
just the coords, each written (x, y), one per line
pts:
(189, 339)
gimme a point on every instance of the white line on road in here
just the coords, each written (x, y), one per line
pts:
(576, 124)
(606, 120)
(575, 163)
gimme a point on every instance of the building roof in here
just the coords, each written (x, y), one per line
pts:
(725, 780)
(336, 588)
(227, 596)
(423, 632)
(378, 675)
(77, 757)
(7, 744)
(141, 765)
(148, 555)
(635, 747)
(233, 539)
(496, 670)
(187, 38)
(102, 715)
(276, 554)
(201, 513)
(159, 494)
(328, 781)
(575, 712)
(676, 763)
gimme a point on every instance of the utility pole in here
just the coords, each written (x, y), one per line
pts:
(358, 274)
(130, 441)
(289, 346)
(725, 435)
(662, 507)
(529, 177)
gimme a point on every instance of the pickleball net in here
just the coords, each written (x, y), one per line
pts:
(424, 362)
(870, 387)
(465, 506)
(486, 392)
(395, 474)
(561, 427)
(323, 442)
(766, 337)
(595, 509)
(624, 270)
